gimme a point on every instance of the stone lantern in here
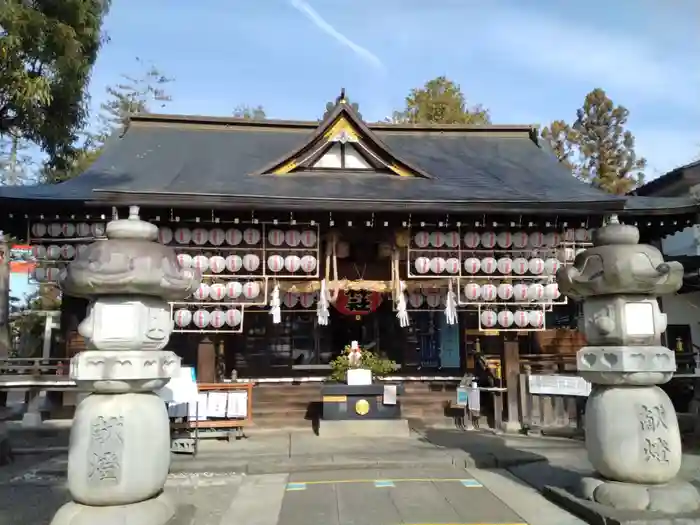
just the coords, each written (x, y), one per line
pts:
(632, 435)
(119, 453)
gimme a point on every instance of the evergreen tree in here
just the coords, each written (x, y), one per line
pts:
(249, 112)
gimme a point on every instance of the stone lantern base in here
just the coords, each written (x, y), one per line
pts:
(159, 510)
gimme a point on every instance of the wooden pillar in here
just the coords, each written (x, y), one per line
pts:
(511, 375)
(73, 311)
(206, 361)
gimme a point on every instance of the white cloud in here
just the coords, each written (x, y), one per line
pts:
(363, 53)
(634, 66)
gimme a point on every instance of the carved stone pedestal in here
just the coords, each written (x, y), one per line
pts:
(119, 453)
(632, 435)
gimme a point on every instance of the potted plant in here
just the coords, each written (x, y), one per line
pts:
(354, 358)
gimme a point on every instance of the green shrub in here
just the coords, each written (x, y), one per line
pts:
(380, 367)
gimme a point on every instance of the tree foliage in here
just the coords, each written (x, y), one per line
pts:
(16, 163)
(440, 101)
(249, 112)
(331, 104)
(134, 94)
(47, 50)
(597, 147)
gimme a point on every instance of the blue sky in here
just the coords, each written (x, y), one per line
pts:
(527, 61)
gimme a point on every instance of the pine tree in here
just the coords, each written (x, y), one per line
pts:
(606, 147)
(561, 139)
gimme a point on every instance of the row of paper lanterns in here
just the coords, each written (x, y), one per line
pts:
(488, 265)
(504, 240)
(236, 237)
(204, 318)
(47, 274)
(234, 290)
(506, 318)
(249, 262)
(55, 252)
(507, 292)
(67, 229)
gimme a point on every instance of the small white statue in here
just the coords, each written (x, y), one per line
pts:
(355, 356)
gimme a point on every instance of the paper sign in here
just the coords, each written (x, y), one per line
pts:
(389, 395)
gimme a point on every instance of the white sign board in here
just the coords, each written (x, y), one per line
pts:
(558, 385)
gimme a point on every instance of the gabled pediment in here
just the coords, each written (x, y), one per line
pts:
(342, 142)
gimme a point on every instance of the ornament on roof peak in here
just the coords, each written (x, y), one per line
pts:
(341, 99)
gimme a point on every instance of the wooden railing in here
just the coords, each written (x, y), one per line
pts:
(34, 366)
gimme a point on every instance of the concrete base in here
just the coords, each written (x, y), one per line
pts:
(379, 428)
(157, 511)
(598, 514)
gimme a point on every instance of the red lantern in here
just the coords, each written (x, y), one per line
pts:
(358, 302)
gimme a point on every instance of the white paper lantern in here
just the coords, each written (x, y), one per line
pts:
(489, 292)
(472, 265)
(521, 318)
(536, 239)
(566, 254)
(488, 239)
(552, 239)
(505, 265)
(39, 251)
(67, 229)
(39, 274)
(97, 229)
(54, 230)
(201, 318)
(290, 299)
(251, 262)
(308, 238)
(53, 274)
(275, 237)
(308, 263)
(251, 236)
(200, 236)
(504, 240)
(185, 260)
(437, 239)
(505, 318)
(165, 235)
(452, 265)
(505, 291)
(292, 238)
(488, 318)
(422, 265)
(489, 265)
(421, 239)
(183, 317)
(536, 266)
(202, 292)
(472, 291)
(535, 292)
(234, 263)
(415, 299)
(432, 299)
(67, 251)
(520, 265)
(182, 235)
(201, 263)
(437, 265)
(581, 235)
(275, 263)
(233, 237)
(233, 317)
(520, 293)
(217, 319)
(551, 266)
(452, 239)
(570, 235)
(217, 264)
(520, 239)
(234, 289)
(536, 318)
(292, 263)
(471, 239)
(217, 291)
(251, 290)
(53, 252)
(83, 230)
(551, 292)
(306, 300)
(217, 237)
(39, 229)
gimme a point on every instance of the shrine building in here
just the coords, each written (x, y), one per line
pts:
(429, 244)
